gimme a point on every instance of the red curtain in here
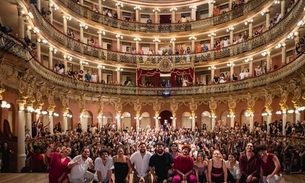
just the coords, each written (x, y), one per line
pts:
(175, 73)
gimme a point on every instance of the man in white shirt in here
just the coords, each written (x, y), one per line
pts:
(140, 162)
(103, 167)
(242, 75)
(79, 166)
(94, 77)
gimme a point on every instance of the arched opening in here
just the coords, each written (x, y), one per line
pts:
(70, 120)
(107, 118)
(225, 119)
(145, 121)
(244, 118)
(126, 121)
(186, 120)
(206, 120)
(165, 118)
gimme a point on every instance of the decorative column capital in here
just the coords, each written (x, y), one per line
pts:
(2, 90)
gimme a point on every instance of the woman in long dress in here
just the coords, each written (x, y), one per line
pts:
(122, 166)
(58, 163)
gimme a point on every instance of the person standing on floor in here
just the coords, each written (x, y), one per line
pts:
(79, 166)
(140, 162)
(249, 165)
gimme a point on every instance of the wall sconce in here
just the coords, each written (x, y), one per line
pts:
(56, 115)
(264, 12)
(231, 116)
(119, 4)
(137, 8)
(137, 39)
(83, 63)
(138, 117)
(280, 45)
(54, 50)
(54, 6)
(30, 109)
(301, 108)
(68, 17)
(156, 9)
(70, 115)
(157, 117)
(212, 68)
(101, 32)
(231, 64)
(36, 30)
(301, 22)
(119, 117)
(193, 7)
(119, 36)
(249, 60)
(101, 67)
(101, 117)
(83, 116)
(173, 9)
(248, 21)
(278, 112)
(172, 40)
(265, 53)
(290, 111)
(248, 114)
(292, 35)
(211, 1)
(230, 29)
(193, 117)
(44, 112)
(173, 118)
(212, 34)
(4, 104)
(21, 108)
(68, 57)
(192, 38)
(156, 40)
(277, 2)
(213, 116)
(42, 40)
(119, 69)
(83, 25)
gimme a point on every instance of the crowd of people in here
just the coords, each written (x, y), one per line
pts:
(172, 154)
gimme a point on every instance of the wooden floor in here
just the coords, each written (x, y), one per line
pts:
(43, 178)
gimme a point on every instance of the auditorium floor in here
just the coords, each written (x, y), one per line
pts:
(43, 178)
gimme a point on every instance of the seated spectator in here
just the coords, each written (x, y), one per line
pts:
(183, 19)
(87, 77)
(43, 12)
(149, 21)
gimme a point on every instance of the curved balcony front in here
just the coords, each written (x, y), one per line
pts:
(86, 15)
(16, 47)
(252, 46)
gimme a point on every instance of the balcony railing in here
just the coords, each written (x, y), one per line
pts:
(255, 44)
(17, 48)
(162, 28)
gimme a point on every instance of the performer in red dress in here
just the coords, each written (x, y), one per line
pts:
(58, 163)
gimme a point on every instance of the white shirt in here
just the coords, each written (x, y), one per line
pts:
(235, 171)
(225, 43)
(242, 75)
(99, 166)
(141, 164)
(78, 171)
(94, 78)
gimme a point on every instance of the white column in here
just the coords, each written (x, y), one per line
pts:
(267, 19)
(50, 57)
(65, 123)
(297, 116)
(251, 122)
(21, 156)
(193, 12)
(268, 60)
(211, 7)
(66, 64)
(193, 123)
(20, 23)
(100, 122)
(231, 71)
(137, 46)
(211, 42)
(192, 45)
(213, 122)
(283, 6)
(39, 5)
(231, 35)
(250, 68)
(28, 31)
(84, 122)
(29, 122)
(283, 54)
(230, 4)
(212, 74)
(232, 122)
(156, 46)
(65, 24)
(51, 122)
(156, 15)
(100, 8)
(118, 5)
(118, 75)
(268, 120)
(137, 124)
(173, 18)
(51, 12)
(38, 51)
(99, 73)
(284, 118)
(118, 43)
(157, 123)
(118, 120)
(100, 38)
(81, 2)
(137, 8)
(81, 34)
(250, 28)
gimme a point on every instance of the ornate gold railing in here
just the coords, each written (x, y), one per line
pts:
(256, 44)
(17, 48)
(244, 9)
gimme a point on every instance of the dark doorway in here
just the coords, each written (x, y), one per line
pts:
(165, 19)
(166, 117)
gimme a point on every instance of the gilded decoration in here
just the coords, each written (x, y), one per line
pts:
(297, 93)
(65, 103)
(82, 104)
(231, 104)
(165, 65)
(193, 105)
(268, 101)
(51, 101)
(118, 106)
(100, 106)
(157, 105)
(212, 104)
(2, 90)
(250, 103)
(137, 105)
(174, 105)
(283, 100)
